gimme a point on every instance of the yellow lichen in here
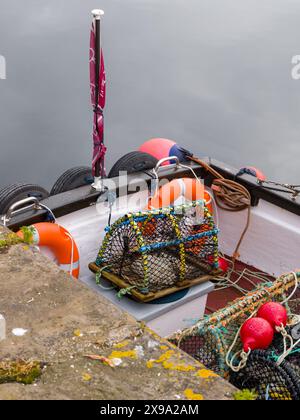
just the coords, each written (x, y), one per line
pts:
(86, 377)
(206, 374)
(121, 345)
(190, 395)
(164, 347)
(179, 368)
(120, 354)
(165, 356)
(149, 364)
(164, 360)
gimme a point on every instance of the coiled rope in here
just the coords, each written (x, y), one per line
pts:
(229, 196)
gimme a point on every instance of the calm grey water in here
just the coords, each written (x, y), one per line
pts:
(214, 75)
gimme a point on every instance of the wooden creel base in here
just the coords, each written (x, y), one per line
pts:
(148, 297)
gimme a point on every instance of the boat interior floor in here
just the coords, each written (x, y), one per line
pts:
(88, 229)
(241, 279)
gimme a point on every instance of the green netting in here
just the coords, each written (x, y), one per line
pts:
(210, 339)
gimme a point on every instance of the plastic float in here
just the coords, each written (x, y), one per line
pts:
(256, 333)
(274, 313)
(188, 188)
(251, 170)
(161, 148)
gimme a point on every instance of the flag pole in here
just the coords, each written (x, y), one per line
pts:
(97, 14)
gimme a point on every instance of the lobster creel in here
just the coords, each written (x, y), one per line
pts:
(154, 253)
(211, 342)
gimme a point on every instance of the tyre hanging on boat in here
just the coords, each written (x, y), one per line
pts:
(60, 242)
(18, 191)
(73, 178)
(133, 162)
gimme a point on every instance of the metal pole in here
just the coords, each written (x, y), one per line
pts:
(97, 13)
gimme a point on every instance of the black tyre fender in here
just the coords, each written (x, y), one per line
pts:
(72, 178)
(133, 162)
(16, 192)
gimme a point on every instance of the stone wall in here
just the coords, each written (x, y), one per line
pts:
(60, 324)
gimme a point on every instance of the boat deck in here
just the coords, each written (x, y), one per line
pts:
(218, 299)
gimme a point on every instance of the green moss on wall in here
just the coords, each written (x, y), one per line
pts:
(9, 239)
(19, 371)
(245, 395)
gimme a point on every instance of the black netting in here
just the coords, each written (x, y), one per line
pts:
(262, 375)
(203, 349)
(267, 379)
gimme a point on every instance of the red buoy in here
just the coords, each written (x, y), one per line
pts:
(158, 147)
(274, 313)
(256, 333)
(223, 265)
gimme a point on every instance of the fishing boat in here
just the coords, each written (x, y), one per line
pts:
(256, 221)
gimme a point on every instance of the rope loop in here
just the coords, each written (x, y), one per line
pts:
(243, 362)
(230, 196)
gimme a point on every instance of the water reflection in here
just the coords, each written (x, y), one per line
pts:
(215, 75)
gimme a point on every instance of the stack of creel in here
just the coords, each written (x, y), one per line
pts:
(210, 339)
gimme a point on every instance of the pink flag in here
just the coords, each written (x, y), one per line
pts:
(98, 93)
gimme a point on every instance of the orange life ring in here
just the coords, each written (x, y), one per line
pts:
(60, 242)
(189, 188)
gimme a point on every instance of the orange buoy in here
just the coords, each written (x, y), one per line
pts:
(190, 188)
(60, 242)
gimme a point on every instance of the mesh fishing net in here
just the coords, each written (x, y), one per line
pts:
(269, 380)
(158, 249)
(209, 342)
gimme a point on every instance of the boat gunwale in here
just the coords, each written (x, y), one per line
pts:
(82, 197)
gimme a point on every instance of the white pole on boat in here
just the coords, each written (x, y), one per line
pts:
(97, 14)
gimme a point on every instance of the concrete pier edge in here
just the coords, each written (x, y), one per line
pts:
(67, 326)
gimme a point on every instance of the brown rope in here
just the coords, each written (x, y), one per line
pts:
(229, 196)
